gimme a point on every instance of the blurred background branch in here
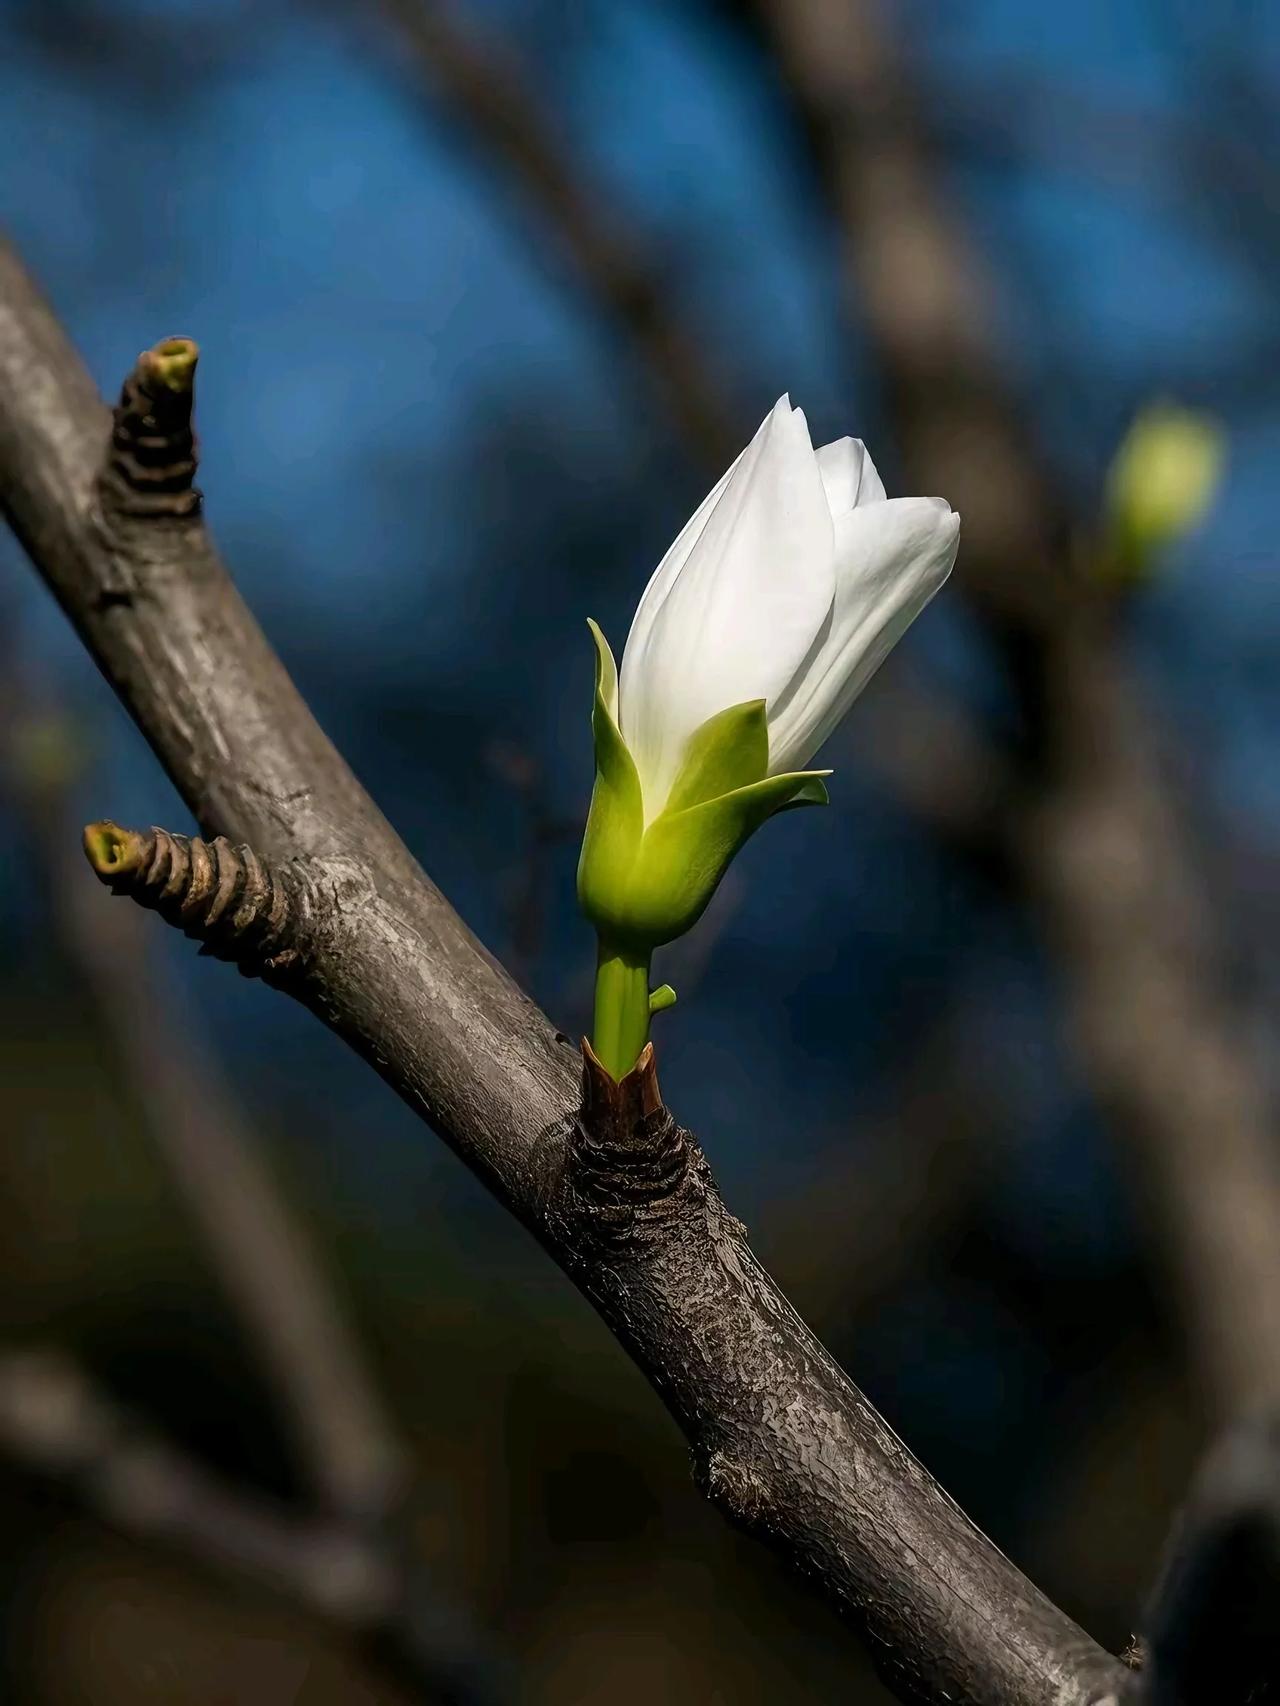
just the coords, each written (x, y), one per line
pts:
(478, 78)
(54, 1425)
(1213, 1626)
(352, 1559)
(1099, 844)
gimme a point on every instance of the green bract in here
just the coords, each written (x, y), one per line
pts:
(644, 885)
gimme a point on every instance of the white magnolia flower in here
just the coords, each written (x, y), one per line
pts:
(790, 583)
(763, 623)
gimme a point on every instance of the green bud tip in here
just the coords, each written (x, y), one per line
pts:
(110, 849)
(172, 363)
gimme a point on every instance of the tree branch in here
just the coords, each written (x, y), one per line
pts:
(616, 1192)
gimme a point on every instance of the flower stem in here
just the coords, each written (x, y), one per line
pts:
(622, 1007)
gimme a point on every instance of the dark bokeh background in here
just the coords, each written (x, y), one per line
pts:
(429, 456)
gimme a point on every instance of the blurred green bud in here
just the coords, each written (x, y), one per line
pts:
(47, 752)
(1160, 485)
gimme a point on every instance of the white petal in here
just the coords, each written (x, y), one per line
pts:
(891, 558)
(849, 475)
(734, 618)
(664, 576)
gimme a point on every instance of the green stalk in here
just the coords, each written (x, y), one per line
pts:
(622, 1007)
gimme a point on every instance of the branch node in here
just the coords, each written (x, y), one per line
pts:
(224, 897)
(733, 1488)
(150, 465)
(1133, 1655)
(628, 1159)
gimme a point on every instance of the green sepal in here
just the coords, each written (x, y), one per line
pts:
(661, 998)
(615, 822)
(813, 792)
(642, 887)
(730, 750)
(685, 853)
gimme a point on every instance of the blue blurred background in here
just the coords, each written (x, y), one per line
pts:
(429, 453)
